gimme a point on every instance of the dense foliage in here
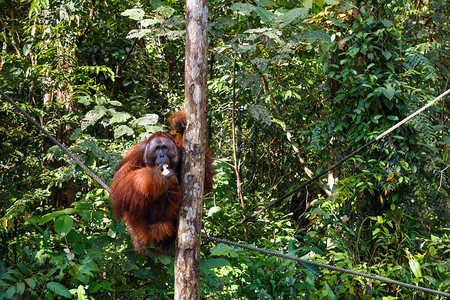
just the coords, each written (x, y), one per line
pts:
(294, 86)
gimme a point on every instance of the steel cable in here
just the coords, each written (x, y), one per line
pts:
(321, 265)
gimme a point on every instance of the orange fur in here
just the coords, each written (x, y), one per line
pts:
(147, 200)
(178, 123)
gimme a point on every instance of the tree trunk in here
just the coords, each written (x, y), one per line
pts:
(187, 253)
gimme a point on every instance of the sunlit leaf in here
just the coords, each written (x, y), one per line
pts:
(119, 117)
(134, 13)
(122, 130)
(414, 265)
(149, 119)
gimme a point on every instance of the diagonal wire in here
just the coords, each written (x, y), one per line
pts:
(47, 134)
(321, 265)
(379, 137)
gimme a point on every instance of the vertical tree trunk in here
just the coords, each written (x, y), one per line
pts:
(187, 253)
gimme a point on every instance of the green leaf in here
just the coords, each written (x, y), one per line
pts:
(432, 250)
(165, 260)
(265, 15)
(150, 22)
(63, 224)
(338, 23)
(9, 278)
(393, 118)
(432, 148)
(214, 210)
(308, 3)
(149, 119)
(115, 103)
(394, 197)
(122, 130)
(25, 271)
(37, 6)
(445, 155)
(31, 283)
(265, 3)
(75, 135)
(223, 249)
(48, 217)
(260, 63)
(388, 92)
(119, 117)
(330, 293)
(134, 14)
(213, 263)
(314, 35)
(10, 292)
(59, 289)
(387, 54)
(81, 293)
(137, 34)
(20, 287)
(398, 137)
(293, 14)
(86, 100)
(414, 265)
(387, 23)
(165, 11)
(93, 116)
(243, 8)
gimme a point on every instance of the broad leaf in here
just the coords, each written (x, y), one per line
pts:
(314, 35)
(149, 119)
(213, 263)
(122, 130)
(265, 15)
(388, 92)
(93, 116)
(296, 13)
(59, 289)
(119, 117)
(243, 8)
(150, 22)
(63, 224)
(134, 14)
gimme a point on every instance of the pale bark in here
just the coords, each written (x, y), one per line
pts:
(187, 253)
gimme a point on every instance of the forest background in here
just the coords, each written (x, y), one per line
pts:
(294, 86)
